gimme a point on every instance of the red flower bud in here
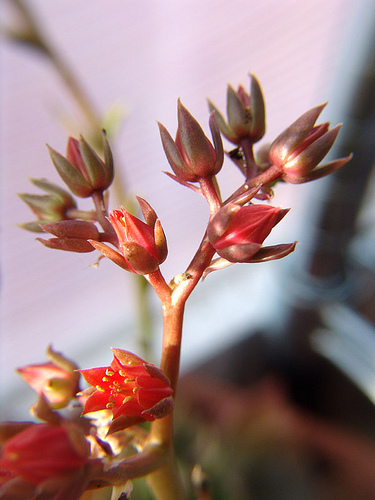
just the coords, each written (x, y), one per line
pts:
(72, 235)
(53, 206)
(133, 389)
(143, 245)
(57, 379)
(43, 452)
(82, 169)
(237, 233)
(192, 155)
(302, 146)
(246, 114)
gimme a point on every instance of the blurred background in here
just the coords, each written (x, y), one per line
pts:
(295, 335)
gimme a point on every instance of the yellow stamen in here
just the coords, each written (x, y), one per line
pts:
(99, 388)
(109, 372)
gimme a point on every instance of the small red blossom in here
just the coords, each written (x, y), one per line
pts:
(43, 452)
(57, 379)
(130, 387)
(57, 385)
(237, 232)
(142, 244)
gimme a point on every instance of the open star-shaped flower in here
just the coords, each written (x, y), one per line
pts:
(132, 388)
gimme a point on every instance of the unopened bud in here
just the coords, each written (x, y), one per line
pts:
(302, 146)
(53, 206)
(191, 155)
(246, 114)
(82, 169)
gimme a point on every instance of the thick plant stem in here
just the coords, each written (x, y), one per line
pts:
(166, 482)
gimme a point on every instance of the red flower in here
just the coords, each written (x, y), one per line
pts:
(57, 380)
(129, 387)
(42, 452)
(143, 245)
(237, 233)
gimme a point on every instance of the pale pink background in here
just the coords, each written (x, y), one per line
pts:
(144, 55)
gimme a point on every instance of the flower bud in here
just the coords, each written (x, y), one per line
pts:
(82, 169)
(57, 379)
(43, 452)
(72, 235)
(49, 207)
(246, 114)
(142, 245)
(192, 155)
(237, 232)
(302, 146)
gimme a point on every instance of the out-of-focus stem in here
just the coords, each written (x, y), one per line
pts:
(77, 92)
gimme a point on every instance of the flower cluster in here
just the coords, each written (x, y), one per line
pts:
(53, 459)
